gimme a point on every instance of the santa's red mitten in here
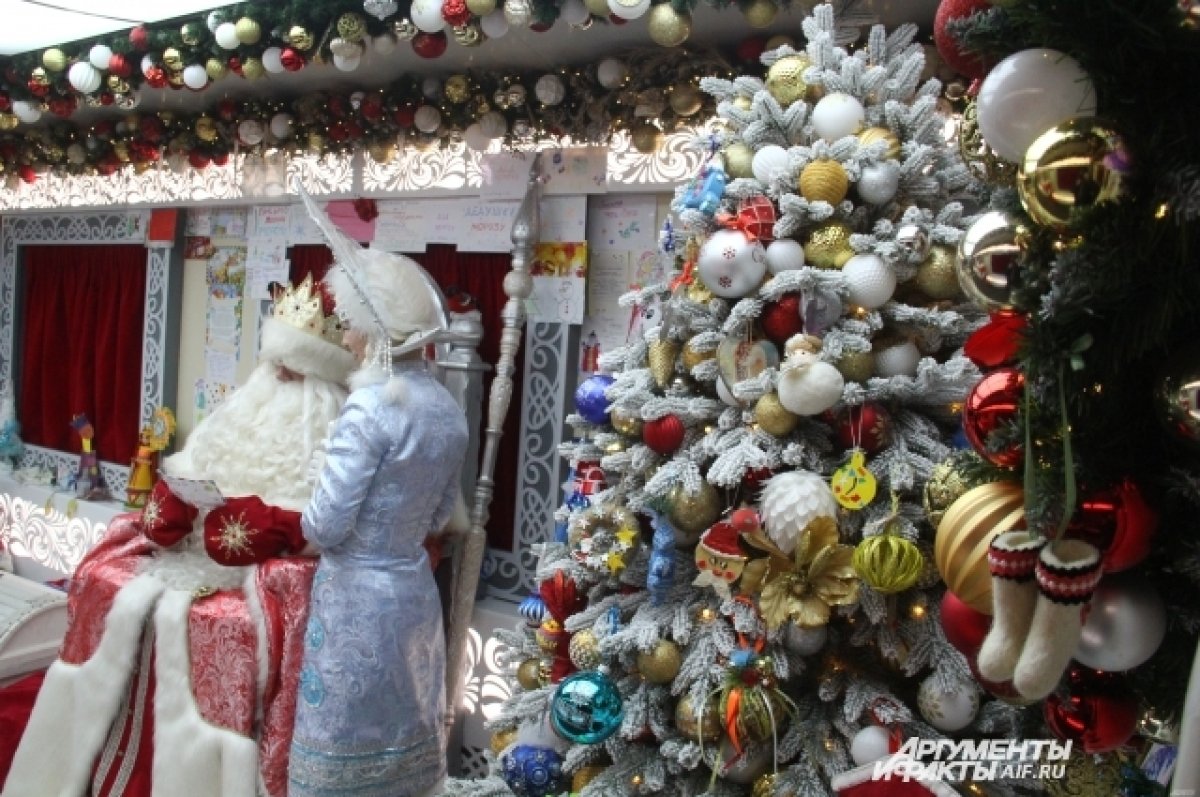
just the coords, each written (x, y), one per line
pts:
(166, 518)
(243, 531)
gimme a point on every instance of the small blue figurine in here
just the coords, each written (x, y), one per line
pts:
(661, 574)
(704, 193)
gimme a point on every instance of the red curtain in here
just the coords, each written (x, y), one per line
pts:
(81, 351)
(481, 275)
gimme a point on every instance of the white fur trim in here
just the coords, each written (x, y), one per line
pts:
(860, 776)
(254, 607)
(77, 702)
(399, 292)
(304, 353)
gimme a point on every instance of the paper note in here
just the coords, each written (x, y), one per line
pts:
(558, 299)
(505, 175)
(229, 223)
(220, 366)
(444, 221)
(266, 262)
(575, 170)
(224, 323)
(200, 493)
(271, 222)
(622, 221)
(400, 226)
(564, 218)
(487, 225)
(199, 221)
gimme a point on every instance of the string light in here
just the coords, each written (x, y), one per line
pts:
(707, 615)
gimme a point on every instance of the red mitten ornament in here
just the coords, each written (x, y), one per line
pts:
(243, 531)
(166, 519)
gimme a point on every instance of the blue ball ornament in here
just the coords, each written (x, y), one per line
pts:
(590, 400)
(587, 708)
(533, 609)
(532, 771)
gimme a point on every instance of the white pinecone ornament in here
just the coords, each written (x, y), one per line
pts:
(792, 500)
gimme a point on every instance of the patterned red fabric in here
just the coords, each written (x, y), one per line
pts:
(245, 531)
(1017, 564)
(166, 519)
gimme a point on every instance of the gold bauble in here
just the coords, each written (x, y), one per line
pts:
(457, 89)
(481, 8)
(760, 13)
(946, 484)
(584, 650)
(692, 356)
(316, 143)
(382, 151)
(824, 181)
(828, 245)
(1087, 775)
(689, 722)
(206, 129)
(502, 739)
(527, 674)
(937, 277)
(686, 99)
(743, 103)
(699, 293)
(117, 84)
(785, 79)
(469, 35)
(660, 664)
(967, 529)
(662, 356)
(764, 785)
(1072, 168)
(856, 366)
(873, 134)
(585, 775)
(646, 137)
(175, 79)
(888, 563)
(8, 121)
(215, 68)
(248, 31)
(739, 160)
(299, 37)
(668, 27)
(772, 417)
(626, 423)
(351, 27)
(54, 59)
(252, 69)
(189, 33)
(172, 60)
(598, 8)
(693, 514)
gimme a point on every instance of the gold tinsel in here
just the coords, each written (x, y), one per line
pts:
(502, 739)
(527, 674)
(693, 514)
(662, 356)
(739, 160)
(118, 84)
(468, 35)
(772, 417)
(785, 79)
(937, 277)
(828, 246)
(857, 366)
(764, 785)
(824, 181)
(585, 775)
(668, 27)
(873, 134)
(660, 664)
(689, 722)
(888, 563)
(1087, 775)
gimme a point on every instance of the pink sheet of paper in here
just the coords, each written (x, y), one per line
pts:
(341, 212)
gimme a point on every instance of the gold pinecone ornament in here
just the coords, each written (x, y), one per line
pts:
(946, 483)
(662, 356)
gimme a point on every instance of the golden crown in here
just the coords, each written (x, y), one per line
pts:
(303, 308)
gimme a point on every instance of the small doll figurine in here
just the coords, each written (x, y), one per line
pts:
(89, 482)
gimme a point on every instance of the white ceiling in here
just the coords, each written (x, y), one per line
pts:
(33, 24)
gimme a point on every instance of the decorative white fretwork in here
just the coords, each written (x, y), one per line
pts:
(49, 538)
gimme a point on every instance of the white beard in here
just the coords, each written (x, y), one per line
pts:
(261, 439)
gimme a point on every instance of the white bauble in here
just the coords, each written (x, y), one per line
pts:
(493, 124)
(475, 138)
(83, 77)
(427, 15)
(810, 389)
(805, 641)
(427, 119)
(250, 132)
(629, 9)
(870, 280)
(1028, 93)
(769, 163)
(947, 710)
(226, 36)
(100, 55)
(725, 393)
(28, 112)
(272, 60)
(147, 64)
(878, 183)
(549, 90)
(384, 44)
(870, 744)
(574, 12)
(611, 73)
(281, 126)
(784, 254)
(431, 88)
(790, 501)
(1125, 624)
(195, 77)
(347, 63)
(900, 359)
(837, 115)
(213, 21)
(730, 264)
(494, 25)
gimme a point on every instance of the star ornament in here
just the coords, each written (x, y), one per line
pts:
(235, 536)
(152, 513)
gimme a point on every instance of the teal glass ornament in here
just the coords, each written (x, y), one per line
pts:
(586, 708)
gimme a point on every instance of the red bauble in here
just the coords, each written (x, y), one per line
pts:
(754, 478)
(995, 343)
(1098, 712)
(336, 106)
(291, 59)
(220, 158)
(106, 98)
(139, 37)
(991, 404)
(429, 45)
(781, 319)
(618, 21)
(868, 427)
(27, 173)
(155, 77)
(108, 165)
(968, 64)
(235, 65)
(756, 216)
(62, 107)
(456, 13)
(664, 434)
(750, 49)
(38, 89)
(1119, 522)
(965, 628)
(541, 27)
(404, 116)
(119, 66)
(372, 107)
(151, 128)
(198, 159)
(5, 101)
(227, 110)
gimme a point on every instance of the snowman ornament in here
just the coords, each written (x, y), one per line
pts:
(807, 384)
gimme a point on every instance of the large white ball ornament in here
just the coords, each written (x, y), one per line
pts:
(870, 280)
(347, 63)
(769, 163)
(226, 36)
(83, 77)
(611, 73)
(898, 359)
(575, 12)
(879, 183)
(26, 111)
(494, 25)
(784, 254)
(272, 60)
(730, 264)
(870, 744)
(195, 77)
(549, 90)
(810, 390)
(1028, 93)
(100, 55)
(950, 710)
(427, 119)
(250, 132)
(629, 9)
(493, 124)
(281, 126)
(1126, 623)
(427, 15)
(837, 115)
(384, 43)
(475, 138)
(805, 641)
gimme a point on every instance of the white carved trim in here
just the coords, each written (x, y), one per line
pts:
(50, 539)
